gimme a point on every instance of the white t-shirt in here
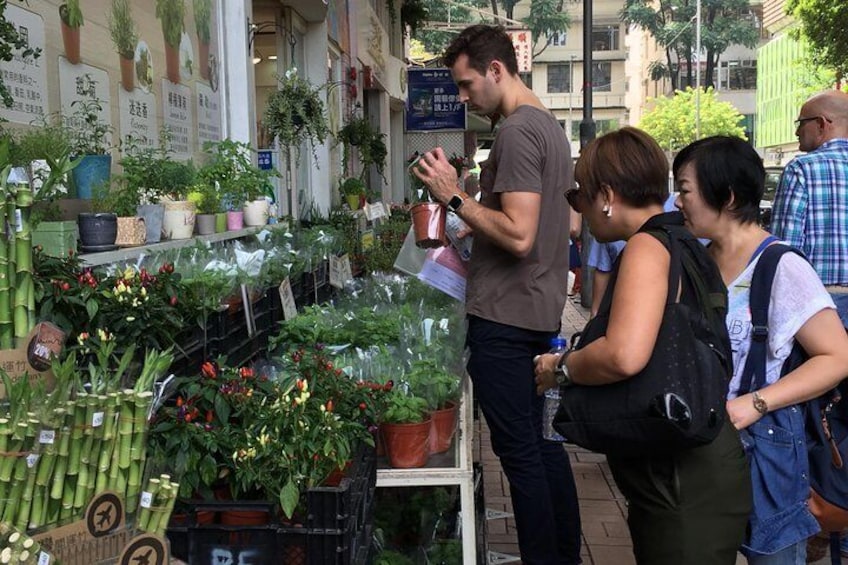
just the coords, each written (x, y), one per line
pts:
(796, 296)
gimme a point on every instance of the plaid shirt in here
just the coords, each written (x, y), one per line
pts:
(810, 209)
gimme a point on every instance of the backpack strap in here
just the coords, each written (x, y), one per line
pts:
(754, 373)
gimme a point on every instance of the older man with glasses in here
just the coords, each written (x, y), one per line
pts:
(810, 209)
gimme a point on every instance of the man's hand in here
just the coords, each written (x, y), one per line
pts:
(437, 174)
(545, 367)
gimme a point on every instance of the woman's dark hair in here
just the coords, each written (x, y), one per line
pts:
(482, 44)
(627, 160)
(726, 167)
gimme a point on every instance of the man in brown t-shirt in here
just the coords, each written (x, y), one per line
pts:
(516, 282)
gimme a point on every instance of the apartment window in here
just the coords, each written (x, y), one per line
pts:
(559, 77)
(736, 75)
(557, 39)
(602, 76)
(601, 127)
(605, 38)
(527, 79)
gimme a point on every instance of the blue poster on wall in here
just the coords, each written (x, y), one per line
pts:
(433, 102)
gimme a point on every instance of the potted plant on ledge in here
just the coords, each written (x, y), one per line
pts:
(91, 140)
(208, 201)
(353, 189)
(124, 36)
(405, 426)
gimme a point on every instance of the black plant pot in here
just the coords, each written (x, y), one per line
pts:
(97, 232)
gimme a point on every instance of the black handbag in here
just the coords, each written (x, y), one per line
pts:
(678, 400)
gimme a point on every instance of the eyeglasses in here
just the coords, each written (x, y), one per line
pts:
(574, 198)
(801, 121)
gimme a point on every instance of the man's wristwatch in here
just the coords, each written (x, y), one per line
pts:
(760, 404)
(561, 372)
(456, 202)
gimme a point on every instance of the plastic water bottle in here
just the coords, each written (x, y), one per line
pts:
(558, 345)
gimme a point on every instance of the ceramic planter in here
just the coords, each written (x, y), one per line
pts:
(205, 224)
(256, 212)
(428, 221)
(408, 445)
(353, 201)
(91, 171)
(235, 220)
(153, 215)
(97, 232)
(56, 239)
(443, 427)
(131, 231)
(178, 222)
(220, 222)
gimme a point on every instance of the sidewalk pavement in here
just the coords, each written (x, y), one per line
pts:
(603, 510)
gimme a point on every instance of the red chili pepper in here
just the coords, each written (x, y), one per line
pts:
(330, 405)
(173, 301)
(210, 416)
(299, 384)
(180, 401)
(362, 406)
(66, 286)
(209, 370)
(246, 372)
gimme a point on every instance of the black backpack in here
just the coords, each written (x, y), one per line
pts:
(825, 417)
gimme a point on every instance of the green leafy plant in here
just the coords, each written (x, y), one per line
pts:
(360, 133)
(202, 19)
(352, 186)
(295, 111)
(434, 383)
(89, 134)
(402, 408)
(206, 197)
(122, 28)
(171, 13)
(229, 164)
(71, 14)
(117, 197)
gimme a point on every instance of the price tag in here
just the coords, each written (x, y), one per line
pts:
(47, 437)
(375, 211)
(340, 270)
(146, 499)
(97, 420)
(19, 223)
(43, 558)
(287, 299)
(31, 460)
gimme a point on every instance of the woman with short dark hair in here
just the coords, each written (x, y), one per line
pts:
(687, 506)
(720, 182)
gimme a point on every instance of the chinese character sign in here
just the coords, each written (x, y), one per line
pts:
(25, 79)
(522, 41)
(177, 115)
(433, 102)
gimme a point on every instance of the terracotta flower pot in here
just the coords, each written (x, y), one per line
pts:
(245, 518)
(127, 74)
(408, 445)
(71, 42)
(428, 221)
(443, 428)
(203, 59)
(172, 63)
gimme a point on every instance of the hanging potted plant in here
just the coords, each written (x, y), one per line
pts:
(405, 426)
(428, 217)
(202, 25)
(295, 112)
(352, 190)
(171, 14)
(124, 36)
(71, 17)
(91, 138)
(370, 143)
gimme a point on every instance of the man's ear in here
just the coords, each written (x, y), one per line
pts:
(497, 69)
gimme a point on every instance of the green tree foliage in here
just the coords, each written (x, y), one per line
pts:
(436, 35)
(672, 24)
(10, 42)
(546, 18)
(824, 26)
(672, 120)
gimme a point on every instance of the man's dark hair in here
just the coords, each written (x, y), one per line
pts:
(482, 44)
(726, 166)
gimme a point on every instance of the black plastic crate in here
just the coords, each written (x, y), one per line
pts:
(348, 504)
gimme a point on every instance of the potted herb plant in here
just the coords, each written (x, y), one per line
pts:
(122, 200)
(208, 202)
(440, 388)
(179, 216)
(231, 167)
(202, 25)
(352, 189)
(71, 17)
(91, 138)
(124, 36)
(171, 14)
(295, 112)
(405, 425)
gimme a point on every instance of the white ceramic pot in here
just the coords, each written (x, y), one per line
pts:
(256, 212)
(178, 222)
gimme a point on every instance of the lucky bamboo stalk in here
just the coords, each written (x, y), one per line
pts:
(24, 317)
(107, 450)
(148, 503)
(11, 252)
(19, 474)
(138, 447)
(77, 434)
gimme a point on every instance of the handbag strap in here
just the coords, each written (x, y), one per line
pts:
(754, 372)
